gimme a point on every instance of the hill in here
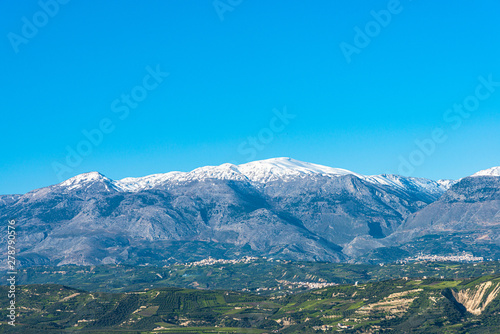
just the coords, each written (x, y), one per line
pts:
(394, 306)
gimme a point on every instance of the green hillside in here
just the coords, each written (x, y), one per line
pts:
(393, 306)
(259, 276)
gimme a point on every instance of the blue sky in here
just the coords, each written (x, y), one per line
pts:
(232, 67)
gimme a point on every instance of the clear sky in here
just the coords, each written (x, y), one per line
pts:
(348, 84)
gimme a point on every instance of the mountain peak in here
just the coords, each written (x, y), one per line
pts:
(261, 171)
(494, 171)
(278, 168)
(84, 178)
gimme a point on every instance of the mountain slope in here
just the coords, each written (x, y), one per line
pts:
(277, 207)
(466, 218)
(471, 204)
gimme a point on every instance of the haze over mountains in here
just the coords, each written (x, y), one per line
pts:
(280, 208)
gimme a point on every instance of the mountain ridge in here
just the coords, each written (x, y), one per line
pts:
(260, 171)
(277, 207)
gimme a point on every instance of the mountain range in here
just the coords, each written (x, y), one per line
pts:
(280, 208)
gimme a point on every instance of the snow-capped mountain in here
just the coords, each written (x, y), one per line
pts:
(285, 169)
(277, 207)
(263, 171)
(87, 179)
(494, 171)
(258, 172)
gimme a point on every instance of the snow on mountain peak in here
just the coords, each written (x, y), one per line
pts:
(403, 182)
(494, 171)
(261, 171)
(257, 171)
(145, 182)
(223, 172)
(281, 168)
(81, 179)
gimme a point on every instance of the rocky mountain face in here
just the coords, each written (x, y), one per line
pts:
(471, 208)
(279, 208)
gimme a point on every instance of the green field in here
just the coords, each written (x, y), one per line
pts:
(394, 306)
